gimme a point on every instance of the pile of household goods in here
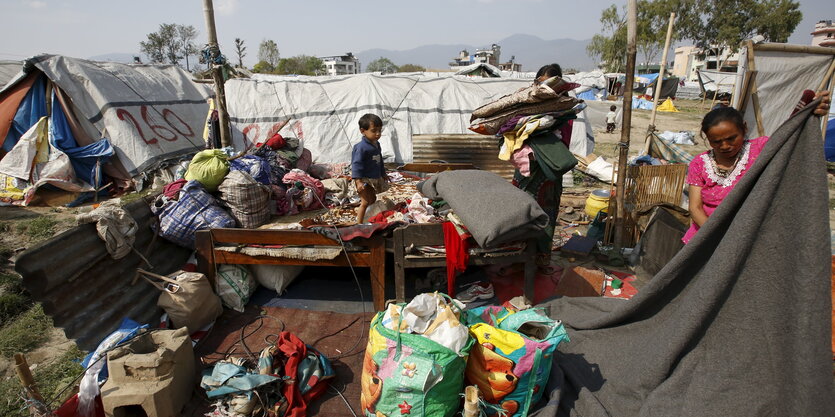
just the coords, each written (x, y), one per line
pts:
(219, 189)
(421, 355)
(534, 125)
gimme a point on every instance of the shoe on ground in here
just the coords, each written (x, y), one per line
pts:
(477, 291)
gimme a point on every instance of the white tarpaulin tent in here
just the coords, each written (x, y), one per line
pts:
(150, 113)
(774, 84)
(719, 81)
(324, 110)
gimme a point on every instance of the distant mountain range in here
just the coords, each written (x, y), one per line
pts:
(530, 51)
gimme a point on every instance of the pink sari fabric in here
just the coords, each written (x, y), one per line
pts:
(701, 174)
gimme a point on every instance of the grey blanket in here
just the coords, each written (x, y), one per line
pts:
(736, 324)
(493, 210)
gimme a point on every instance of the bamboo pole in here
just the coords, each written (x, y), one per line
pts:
(784, 47)
(659, 82)
(755, 97)
(217, 74)
(827, 80)
(471, 408)
(24, 374)
(623, 145)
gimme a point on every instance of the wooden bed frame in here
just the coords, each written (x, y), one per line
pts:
(208, 257)
(431, 234)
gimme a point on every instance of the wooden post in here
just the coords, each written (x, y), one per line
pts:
(217, 75)
(471, 407)
(623, 145)
(24, 374)
(659, 82)
(755, 97)
(826, 80)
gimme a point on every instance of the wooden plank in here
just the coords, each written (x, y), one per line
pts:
(435, 167)
(360, 259)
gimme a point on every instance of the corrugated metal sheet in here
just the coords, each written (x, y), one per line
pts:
(85, 291)
(479, 150)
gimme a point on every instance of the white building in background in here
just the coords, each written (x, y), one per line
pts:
(690, 59)
(824, 34)
(490, 56)
(341, 64)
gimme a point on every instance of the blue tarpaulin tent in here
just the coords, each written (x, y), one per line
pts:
(32, 108)
(86, 160)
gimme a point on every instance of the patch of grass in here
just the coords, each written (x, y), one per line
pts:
(10, 404)
(11, 282)
(54, 377)
(39, 228)
(25, 333)
(832, 203)
(12, 305)
(50, 378)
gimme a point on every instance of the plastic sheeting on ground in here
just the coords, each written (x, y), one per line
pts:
(323, 111)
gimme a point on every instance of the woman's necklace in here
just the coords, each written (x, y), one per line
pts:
(722, 172)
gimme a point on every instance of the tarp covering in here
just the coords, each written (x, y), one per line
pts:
(8, 69)
(86, 160)
(150, 113)
(736, 324)
(719, 81)
(781, 78)
(324, 110)
(31, 108)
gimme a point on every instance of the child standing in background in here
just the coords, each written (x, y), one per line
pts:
(367, 169)
(611, 118)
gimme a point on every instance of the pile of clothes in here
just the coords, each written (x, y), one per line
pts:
(534, 126)
(219, 189)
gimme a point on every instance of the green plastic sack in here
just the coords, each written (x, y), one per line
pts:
(409, 374)
(209, 168)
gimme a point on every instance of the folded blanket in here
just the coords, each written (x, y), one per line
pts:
(493, 210)
(550, 89)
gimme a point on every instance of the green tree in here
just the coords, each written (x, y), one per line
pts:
(609, 47)
(170, 44)
(240, 50)
(301, 65)
(726, 23)
(410, 68)
(268, 52)
(383, 65)
(186, 36)
(263, 67)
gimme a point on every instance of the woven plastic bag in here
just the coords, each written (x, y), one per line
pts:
(511, 359)
(247, 199)
(235, 284)
(209, 167)
(409, 374)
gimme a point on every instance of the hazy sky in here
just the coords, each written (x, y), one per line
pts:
(84, 28)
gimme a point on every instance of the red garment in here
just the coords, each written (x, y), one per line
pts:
(565, 131)
(275, 142)
(172, 190)
(381, 216)
(457, 255)
(294, 351)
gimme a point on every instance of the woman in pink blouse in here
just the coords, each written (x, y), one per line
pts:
(713, 174)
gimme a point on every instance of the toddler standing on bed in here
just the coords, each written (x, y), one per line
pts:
(367, 169)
